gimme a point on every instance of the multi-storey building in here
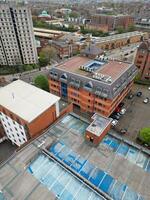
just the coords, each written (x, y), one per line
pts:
(96, 85)
(119, 40)
(25, 111)
(112, 21)
(17, 42)
(65, 49)
(142, 60)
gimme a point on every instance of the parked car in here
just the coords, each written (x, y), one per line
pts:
(115, 116)
(114, 122)
(146, 100)
(130, 96)
(123, 111)
(121, 105)
(139, 94)
(15, 79)
(148, 88)
(123, 131)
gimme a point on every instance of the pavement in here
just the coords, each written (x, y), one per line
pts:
(17, 184)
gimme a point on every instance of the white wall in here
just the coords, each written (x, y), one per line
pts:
(57, 109)
(14, 131)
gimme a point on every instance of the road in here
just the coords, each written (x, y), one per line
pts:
(28, 76)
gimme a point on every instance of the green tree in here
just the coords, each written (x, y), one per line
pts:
(131, 28)
(120, 29)
(74, 14)
(28, 67)
(43, 60)
(46, 54)
(41, 81)
(144, 135)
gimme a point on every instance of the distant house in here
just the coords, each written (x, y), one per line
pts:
(44, 15)
(92, 51)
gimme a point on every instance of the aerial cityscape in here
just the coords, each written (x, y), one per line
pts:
(74, 100)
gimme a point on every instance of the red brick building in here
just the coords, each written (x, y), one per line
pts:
(65, 49)
(111, 22)
(92, 85)
(142, 60)
(25, 111)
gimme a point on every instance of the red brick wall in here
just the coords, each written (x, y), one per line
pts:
(97, 139)
(87, 101)
(38, 124)
(42, 122)
(68, 109)
(142, 61)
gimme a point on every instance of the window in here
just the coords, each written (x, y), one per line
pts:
(22, 133)
(20, 127)
(4, 111)
(64, 76)
(89, 85)
(18, 120)
(11, 116)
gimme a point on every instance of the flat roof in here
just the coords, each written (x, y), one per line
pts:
(114, 69)
(17, 183)
(47, 31)
(99, 124)
(25, 100)
(117, 36)
(41, 34)
(111, 68)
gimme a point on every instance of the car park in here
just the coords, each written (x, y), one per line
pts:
(146, 100)
(139, 94)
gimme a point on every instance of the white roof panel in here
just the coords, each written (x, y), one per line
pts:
(25, 100)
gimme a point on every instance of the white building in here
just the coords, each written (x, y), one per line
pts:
(17, 41)
(25, 110)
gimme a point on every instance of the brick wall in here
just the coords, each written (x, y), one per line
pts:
(97, 139)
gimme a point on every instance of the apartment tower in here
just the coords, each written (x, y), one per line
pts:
(17, 41)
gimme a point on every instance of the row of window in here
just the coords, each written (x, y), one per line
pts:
(10, 124)
(5, 11)
(11, 116)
